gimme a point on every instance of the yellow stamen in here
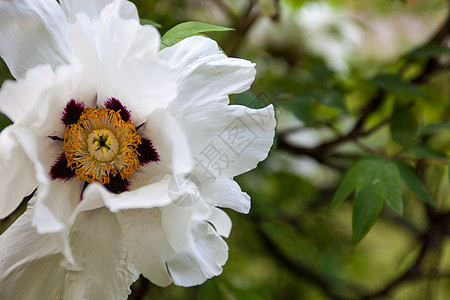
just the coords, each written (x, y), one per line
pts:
(101, 144)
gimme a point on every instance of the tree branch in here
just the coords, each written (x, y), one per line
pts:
(328, 286)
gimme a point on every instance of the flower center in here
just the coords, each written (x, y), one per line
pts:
(101, 144)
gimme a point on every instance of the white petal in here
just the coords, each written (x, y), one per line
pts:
(148, 196)
(32, 33)
(224, 192)
(29, 262)
(203, 259)
(15, 167)
(93, 8)
(36, 280)
(146, 243)
(37, 150)
(54, 200)
(231, 140)
(176, 224)
(60, 198)
(169, 141)
(206, 77)
(92, 199)
(81, 39)
(19, 97)
(129, 66)
(37, 101)
(221, 221)
(204, 74)
(249, 136)
(101, 270)
(45, 221)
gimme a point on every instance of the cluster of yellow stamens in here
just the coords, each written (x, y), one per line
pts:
(101, 144)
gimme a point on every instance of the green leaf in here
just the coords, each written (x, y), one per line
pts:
(413, 181)
(366, 209)
(390, 185)
(382, 181)
(327, 96)
(433, 127)
(396, 85)
(432, 50)
(425, 152)
(347, 185)
(210, 290)
(188, 29)
(302, 108)
(334, 98)
(375, 180)
(404, 125)
(349, 182)
(144, 21)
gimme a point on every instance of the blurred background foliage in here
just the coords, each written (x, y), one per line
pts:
(362, 97)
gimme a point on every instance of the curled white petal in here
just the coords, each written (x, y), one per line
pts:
(204, 74)
(14, 167)
(232, 140)
(204, 257)
(221, 222)
(226, 193)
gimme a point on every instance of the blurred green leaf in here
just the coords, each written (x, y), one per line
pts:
(319, 70)
(425, 152)
(286, 238)
(253, 100)
(188, 29)
(404, 125)
(302, 108)
(144, 21)
(432, 50)
(448, 171)
(330, 97)
(210, 290)
(396, 85)
(432, 128)
(246, 98)
(247, 295)
(413, 181)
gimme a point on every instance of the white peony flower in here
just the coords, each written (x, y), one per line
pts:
(128, 151)
(330, 33)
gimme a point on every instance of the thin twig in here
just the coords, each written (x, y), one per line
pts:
(242, 27)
